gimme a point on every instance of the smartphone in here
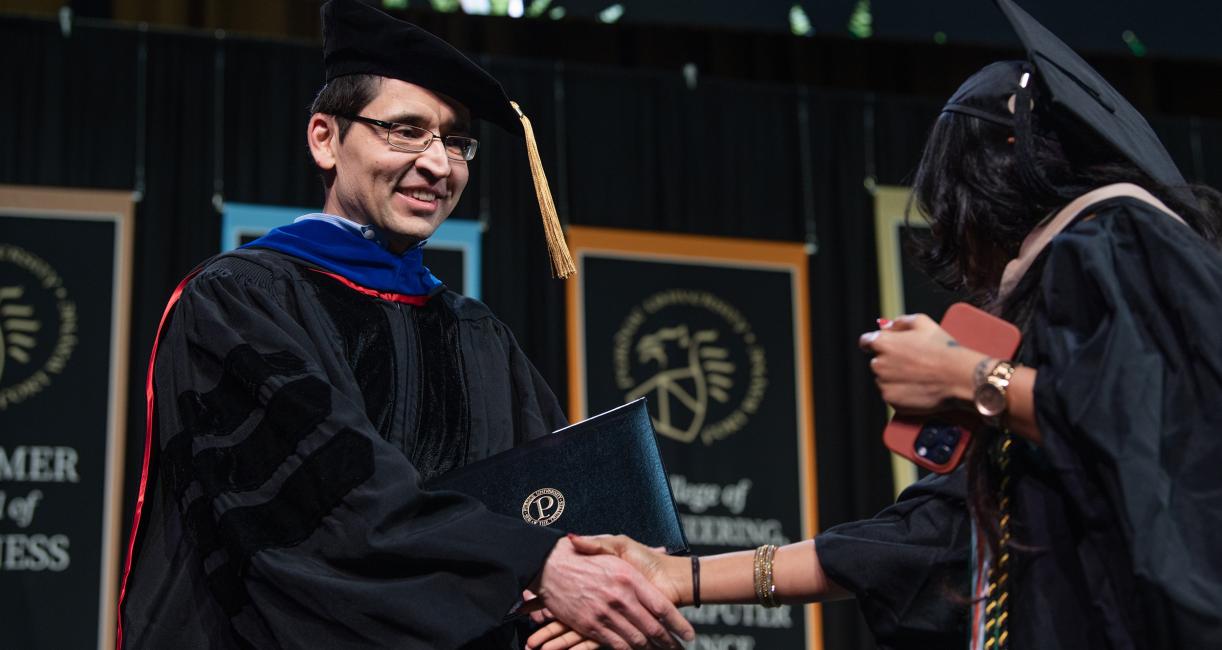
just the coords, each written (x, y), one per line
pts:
(937, 442)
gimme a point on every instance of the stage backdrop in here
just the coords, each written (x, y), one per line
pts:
(902, 287)
(452, 253)
(713, 332)
(65, 258)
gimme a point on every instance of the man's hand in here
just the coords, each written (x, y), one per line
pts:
(669, 574)
(604, 599)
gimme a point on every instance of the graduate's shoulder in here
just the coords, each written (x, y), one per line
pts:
(1126, 231)
(1127, 251)
(1127, 216)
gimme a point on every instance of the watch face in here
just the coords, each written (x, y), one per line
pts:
(990, 400)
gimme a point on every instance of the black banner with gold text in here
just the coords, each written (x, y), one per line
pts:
(63, 279)
(713, 334)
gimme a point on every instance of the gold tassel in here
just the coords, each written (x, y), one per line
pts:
(562, 263)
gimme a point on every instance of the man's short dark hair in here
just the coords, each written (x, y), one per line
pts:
(346, 95)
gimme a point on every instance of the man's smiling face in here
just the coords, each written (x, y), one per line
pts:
(404, 195)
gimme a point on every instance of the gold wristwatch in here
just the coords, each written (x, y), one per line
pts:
(990, 395)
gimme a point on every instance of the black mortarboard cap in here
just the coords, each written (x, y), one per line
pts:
(1074, 87)
(987, 94)
(360, 39)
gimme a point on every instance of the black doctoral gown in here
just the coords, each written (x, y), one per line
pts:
(295, 419)
(1119, 512)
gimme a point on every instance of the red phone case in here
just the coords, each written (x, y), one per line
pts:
(925, 440)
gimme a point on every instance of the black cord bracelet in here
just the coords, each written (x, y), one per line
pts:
(696, 581)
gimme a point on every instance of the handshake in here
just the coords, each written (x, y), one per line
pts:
(610, 591)
(613, 591)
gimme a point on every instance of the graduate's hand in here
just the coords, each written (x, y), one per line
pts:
(558, 636)
(661, 569)
(533, 605)
(603, 599)
(918, 367)
(551, 634)
(671, 575)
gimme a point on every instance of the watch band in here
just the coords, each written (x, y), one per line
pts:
(981, 373)
(991, 399)
(1003, 370)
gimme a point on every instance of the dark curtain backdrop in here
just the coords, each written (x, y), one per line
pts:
(189, 120)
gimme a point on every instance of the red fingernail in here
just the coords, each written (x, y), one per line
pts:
(571, 536)
(883, 322)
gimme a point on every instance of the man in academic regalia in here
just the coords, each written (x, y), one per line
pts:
(305, 386)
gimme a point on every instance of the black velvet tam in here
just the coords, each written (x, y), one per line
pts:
(359, 39)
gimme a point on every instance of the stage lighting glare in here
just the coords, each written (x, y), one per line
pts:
(861, 22)
(483, 7)
(611, 14)
(394, 4)
(1135, 45)
(799, 23)
(939, 38)
(537, 8)
(445, 6)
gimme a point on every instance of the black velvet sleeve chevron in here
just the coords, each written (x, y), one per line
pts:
(279, 516)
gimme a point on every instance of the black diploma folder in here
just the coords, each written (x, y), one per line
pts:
(601, 475)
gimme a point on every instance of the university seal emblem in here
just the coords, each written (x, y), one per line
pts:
(543, 507)
(697, 360)
(38, 325)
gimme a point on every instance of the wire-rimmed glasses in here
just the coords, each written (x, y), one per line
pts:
(414, 139)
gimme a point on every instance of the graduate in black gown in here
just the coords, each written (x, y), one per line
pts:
(1095, 499)
(305, 386)
(1089, 514)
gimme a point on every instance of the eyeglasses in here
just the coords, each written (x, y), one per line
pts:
(414, 139)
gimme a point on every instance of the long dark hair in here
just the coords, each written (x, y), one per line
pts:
(980, 203)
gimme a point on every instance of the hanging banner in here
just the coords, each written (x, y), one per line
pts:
(452, 253)
(65, 273)
(902, 287)
(714, 333)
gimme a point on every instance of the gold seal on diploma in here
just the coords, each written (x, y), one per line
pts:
(543, 507)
